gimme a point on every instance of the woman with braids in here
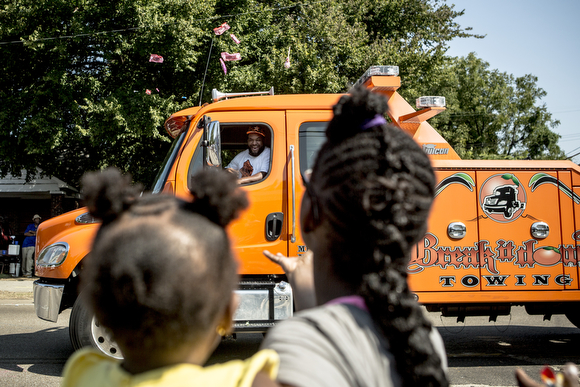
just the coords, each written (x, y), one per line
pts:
(365, 206)
(161, 277)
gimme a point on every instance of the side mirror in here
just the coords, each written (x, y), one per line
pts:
(212, 151)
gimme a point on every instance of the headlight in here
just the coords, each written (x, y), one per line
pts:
(86, 218)
(53, 255)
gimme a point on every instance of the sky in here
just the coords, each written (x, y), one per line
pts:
(535, 37)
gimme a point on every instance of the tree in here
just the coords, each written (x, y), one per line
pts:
(331, 43)
(74, 74)
(492, 114)
(78, 103)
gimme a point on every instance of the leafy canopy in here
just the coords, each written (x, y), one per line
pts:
(75, 73)
(491, 114)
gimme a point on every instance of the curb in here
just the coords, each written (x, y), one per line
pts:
(16, 287)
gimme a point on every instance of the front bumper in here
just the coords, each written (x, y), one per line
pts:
(262, 304)
(47, 299)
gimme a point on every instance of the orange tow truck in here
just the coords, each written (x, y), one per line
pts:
(501, 233)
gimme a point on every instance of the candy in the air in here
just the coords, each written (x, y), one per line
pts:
(221, 29)
(228, 57)
(287, 62)
(156, 58)
(224, 66)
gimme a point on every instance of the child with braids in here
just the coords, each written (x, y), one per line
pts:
(161, 277)
(365, 206)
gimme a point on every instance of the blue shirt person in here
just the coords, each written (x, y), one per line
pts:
(28, 246)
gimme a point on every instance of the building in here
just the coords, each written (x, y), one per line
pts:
(45, 196)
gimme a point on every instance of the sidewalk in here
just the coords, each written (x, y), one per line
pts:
(19, 287)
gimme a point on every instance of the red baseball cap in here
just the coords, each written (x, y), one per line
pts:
(256, 130)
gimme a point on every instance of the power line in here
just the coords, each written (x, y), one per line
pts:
(575, 149)
(161, 25)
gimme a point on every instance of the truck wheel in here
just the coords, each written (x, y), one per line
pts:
(574, 317)
(85, 331)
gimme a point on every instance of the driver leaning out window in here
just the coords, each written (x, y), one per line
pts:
(253, 163)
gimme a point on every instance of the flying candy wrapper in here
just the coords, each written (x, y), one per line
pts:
(235, 39)
(156, 58)
(287, 63)
(224, 66)
(228, 57)
(221, 29)
(147, 91)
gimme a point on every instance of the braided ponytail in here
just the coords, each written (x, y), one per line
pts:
(375, 186)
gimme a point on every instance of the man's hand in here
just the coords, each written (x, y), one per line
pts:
(299, 273)
(233, 171)
(247, 169)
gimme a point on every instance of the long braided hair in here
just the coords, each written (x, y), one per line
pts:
(375, 187)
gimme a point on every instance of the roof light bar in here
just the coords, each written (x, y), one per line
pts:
(378, 70)
(430, 101)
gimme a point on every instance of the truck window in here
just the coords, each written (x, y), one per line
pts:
(234, 140)
(196, 163)
(310, 139)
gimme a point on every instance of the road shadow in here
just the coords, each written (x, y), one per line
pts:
(244, 346)
(510, 345)
(46, 350)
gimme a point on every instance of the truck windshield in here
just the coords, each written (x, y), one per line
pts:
(163, 173)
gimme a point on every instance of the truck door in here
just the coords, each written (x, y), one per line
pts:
(261, 226)
(305, 133)
(576, 235)
(569, 209)
(510, 204)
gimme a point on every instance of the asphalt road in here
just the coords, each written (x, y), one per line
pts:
(486, 353)
(480, 353)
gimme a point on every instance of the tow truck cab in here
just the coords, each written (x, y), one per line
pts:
(480, 255)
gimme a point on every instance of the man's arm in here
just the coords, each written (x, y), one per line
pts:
(235, 164)
(251, 179)
(234, 172)
(29, 231)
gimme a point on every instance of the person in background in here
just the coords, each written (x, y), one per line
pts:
(161, 277)
(4, 234)
(252, 164)
(28, 246)
(366, 205)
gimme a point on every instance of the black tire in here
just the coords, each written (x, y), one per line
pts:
(574, 317)
(85, 331)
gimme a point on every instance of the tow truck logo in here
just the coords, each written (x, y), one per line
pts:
(502, 198)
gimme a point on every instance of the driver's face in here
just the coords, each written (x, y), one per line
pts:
(255, 144)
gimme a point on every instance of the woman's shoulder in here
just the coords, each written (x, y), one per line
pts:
(336, 342)
(321, 324)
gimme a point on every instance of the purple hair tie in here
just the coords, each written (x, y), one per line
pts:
(375, 121)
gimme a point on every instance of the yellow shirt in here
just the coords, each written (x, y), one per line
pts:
(89, 368)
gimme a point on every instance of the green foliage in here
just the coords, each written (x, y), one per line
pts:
(494, 115)
(73, 96)
(78, 103)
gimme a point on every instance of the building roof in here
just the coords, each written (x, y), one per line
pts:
(38, 188)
